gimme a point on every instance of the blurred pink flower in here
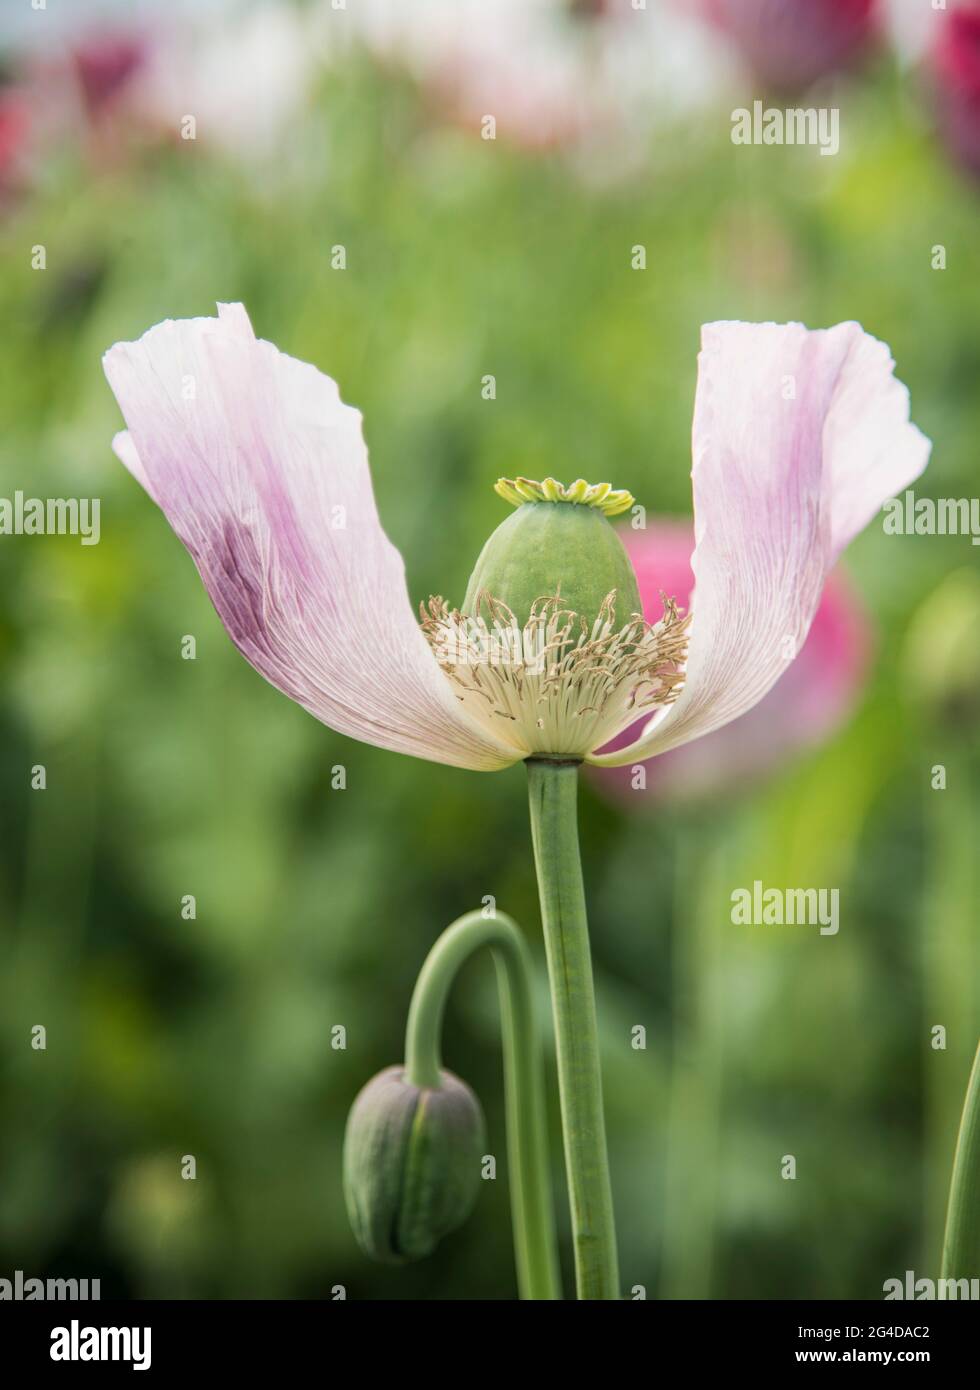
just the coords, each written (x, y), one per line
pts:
(957, 71)
(242, 78)
(105, 64)
(789, 44)
(77, 95)
(810, 700)
(15, 124)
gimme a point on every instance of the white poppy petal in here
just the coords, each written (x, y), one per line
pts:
(799, 437)
(262, 472)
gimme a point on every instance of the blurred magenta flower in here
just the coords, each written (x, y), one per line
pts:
(957, 72)
(105, 64)
(789, 44)
(76, 94)
(15, 127)
(262, 471)
(813, 697)
(244, 78)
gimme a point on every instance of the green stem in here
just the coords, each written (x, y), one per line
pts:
(961, 1246)
(950, 973)
(553, 786)
(693, 1132)
(532, 1204)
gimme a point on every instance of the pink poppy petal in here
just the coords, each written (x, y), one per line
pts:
(262, 472)
(125, 450)
(799, 437)
(814, 696)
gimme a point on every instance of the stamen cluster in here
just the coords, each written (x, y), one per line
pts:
(559, 685)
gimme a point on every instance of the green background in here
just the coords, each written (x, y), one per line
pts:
(315, 906)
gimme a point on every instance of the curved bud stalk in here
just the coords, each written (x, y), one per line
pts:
(415, 1133)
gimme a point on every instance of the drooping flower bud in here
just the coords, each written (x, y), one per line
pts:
(411, 1163)
(558, 542)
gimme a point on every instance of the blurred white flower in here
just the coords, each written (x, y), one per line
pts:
(549, 71)
(244, 75)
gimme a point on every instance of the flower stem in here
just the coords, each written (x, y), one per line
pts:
(690, 1215)
(532, 1202)
(553, 786)
(950, 960)
(961, 1246)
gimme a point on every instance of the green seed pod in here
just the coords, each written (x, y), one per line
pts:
(559, 541)
(411, 1163)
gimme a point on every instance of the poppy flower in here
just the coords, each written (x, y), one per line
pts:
(956, 63)
(15, 129)
(262, 471)
(106, 64)
(790, 44)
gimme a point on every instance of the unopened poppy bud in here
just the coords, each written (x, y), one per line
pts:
(411, 1163)
(559, 542)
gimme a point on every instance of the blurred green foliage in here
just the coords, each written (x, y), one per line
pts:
(315, 907)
